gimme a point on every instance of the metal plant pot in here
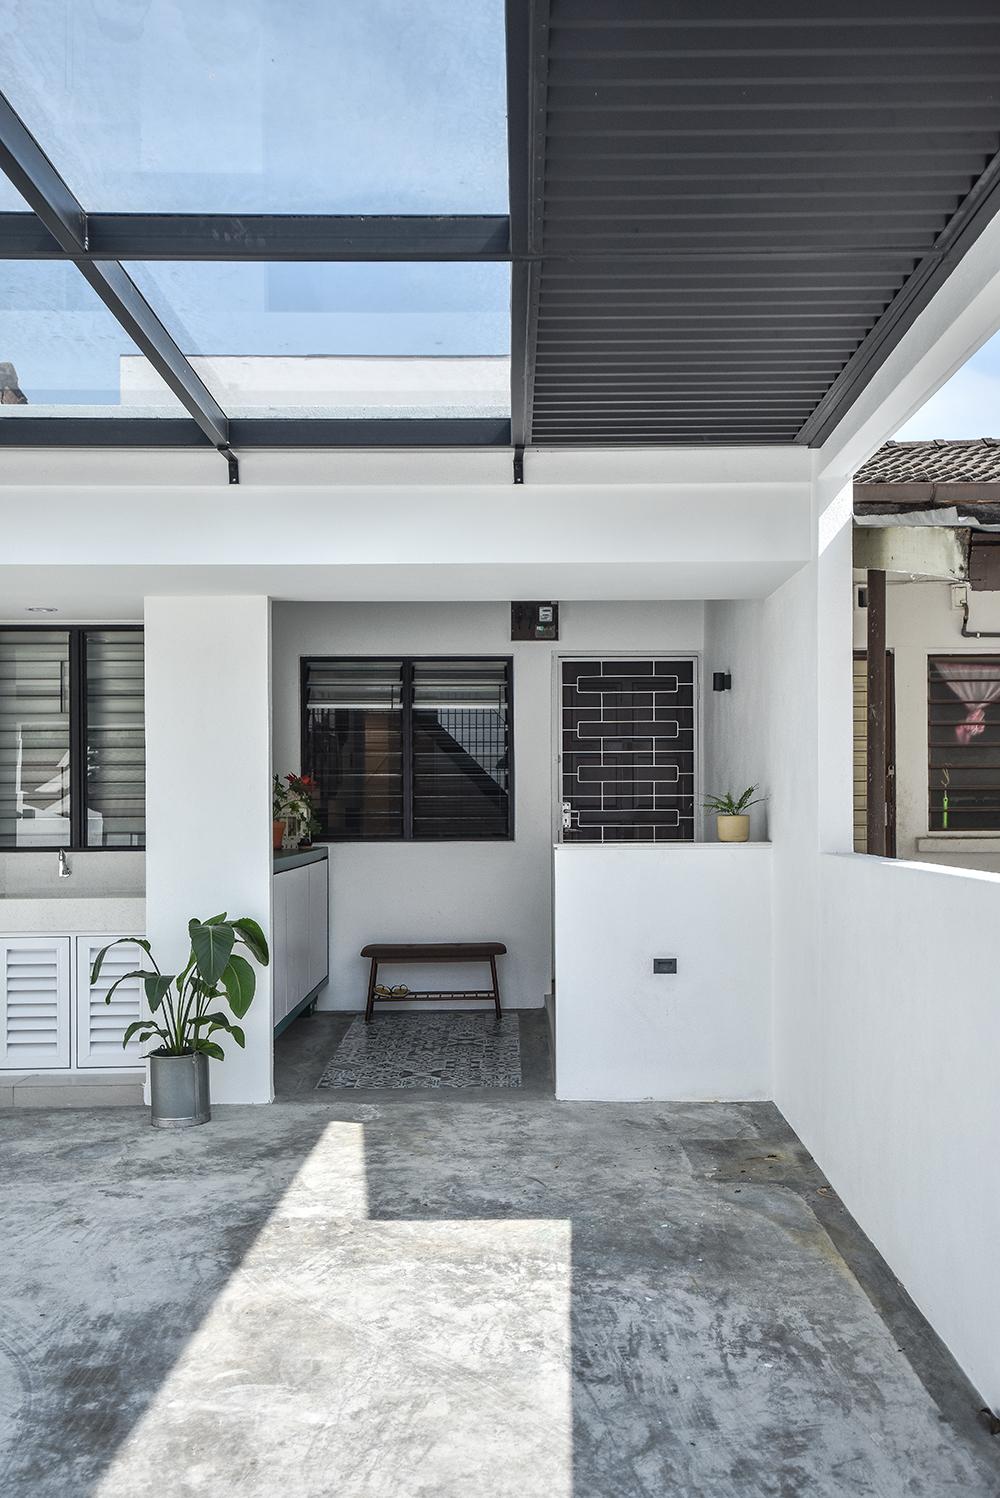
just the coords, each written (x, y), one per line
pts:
(178, 1087)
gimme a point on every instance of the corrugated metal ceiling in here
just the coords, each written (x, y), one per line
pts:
(723, 199)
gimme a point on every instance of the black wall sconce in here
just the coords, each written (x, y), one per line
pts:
(722, 681)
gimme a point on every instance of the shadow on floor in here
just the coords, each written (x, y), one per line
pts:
(418, 1298)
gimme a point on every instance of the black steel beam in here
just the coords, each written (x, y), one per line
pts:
(101, 431)
(23, 236)
(527, 26)
(127, 304)
(375, 431)
(38, 182)
(265, 236)
(254, 432)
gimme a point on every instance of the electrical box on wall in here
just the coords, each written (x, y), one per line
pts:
(534, 621)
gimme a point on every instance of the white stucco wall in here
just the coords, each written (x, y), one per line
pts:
(737, 722)
(625, 1032)
(459, 891)
(208, 818)
(886, 1020)
(908, 1118)
(920, 621)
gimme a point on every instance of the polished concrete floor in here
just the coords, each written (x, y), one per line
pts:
(444, 1296)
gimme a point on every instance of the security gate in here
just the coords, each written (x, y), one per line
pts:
(627, 762)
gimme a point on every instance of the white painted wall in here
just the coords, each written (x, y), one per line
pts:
(907, 1119)
(208, 801)
(886, 1022)
(920, 621)
(625, 1033)
(684, 529)
(737, 722)
(459, 891)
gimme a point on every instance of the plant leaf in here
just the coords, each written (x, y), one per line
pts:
(209, 1048)
(253, 937)
(136, 973)
(212, 946)
(137, 941)
(240, 982)
(141, 1024)
(219, 1022)
(157, 987)
(215, 920)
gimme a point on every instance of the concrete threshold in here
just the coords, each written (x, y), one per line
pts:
(95, 1089)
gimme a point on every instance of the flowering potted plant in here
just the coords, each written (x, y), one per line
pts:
(292, 809)
(186, 1012)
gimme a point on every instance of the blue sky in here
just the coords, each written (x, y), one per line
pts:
(968, 405)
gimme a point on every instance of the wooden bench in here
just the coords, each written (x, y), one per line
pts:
(454, 951)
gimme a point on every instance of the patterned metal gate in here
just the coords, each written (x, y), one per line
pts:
(627, 766)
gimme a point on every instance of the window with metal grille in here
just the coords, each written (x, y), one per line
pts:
(963, 743)
(72, 740)
(628, 750)
(415, 749)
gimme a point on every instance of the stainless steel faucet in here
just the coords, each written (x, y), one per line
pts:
(64, 868)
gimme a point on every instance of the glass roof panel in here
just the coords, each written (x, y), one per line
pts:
(11, 200)
(340, 339)
(63, 354)
(304, 106)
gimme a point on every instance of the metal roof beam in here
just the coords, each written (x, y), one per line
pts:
(261, 236)
(247, 433)
(527, 55)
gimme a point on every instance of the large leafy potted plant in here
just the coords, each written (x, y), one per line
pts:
(732, 822)
(186, 1011)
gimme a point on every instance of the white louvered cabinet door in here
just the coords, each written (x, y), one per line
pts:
(100, 1026)
(34, 1003)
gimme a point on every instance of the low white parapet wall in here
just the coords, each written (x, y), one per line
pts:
(625, 1032)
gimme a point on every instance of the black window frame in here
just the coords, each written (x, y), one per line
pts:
(407, 662)
(77, 678)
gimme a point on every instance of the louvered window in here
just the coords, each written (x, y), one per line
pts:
(72, 760)
(116, 741)
(412, 749)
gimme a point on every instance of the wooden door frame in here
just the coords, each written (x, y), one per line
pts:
(890, 748)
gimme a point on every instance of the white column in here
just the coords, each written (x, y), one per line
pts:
(208, 809)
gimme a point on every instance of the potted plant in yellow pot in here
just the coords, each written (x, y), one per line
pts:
(732, 822)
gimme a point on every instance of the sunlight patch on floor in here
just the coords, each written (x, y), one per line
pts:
(360, 1356)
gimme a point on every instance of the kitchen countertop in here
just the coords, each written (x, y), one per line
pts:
(293, 858)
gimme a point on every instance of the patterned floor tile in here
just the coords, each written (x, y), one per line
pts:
(428, 1050)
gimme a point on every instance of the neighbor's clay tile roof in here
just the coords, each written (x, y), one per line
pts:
(973, 462)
